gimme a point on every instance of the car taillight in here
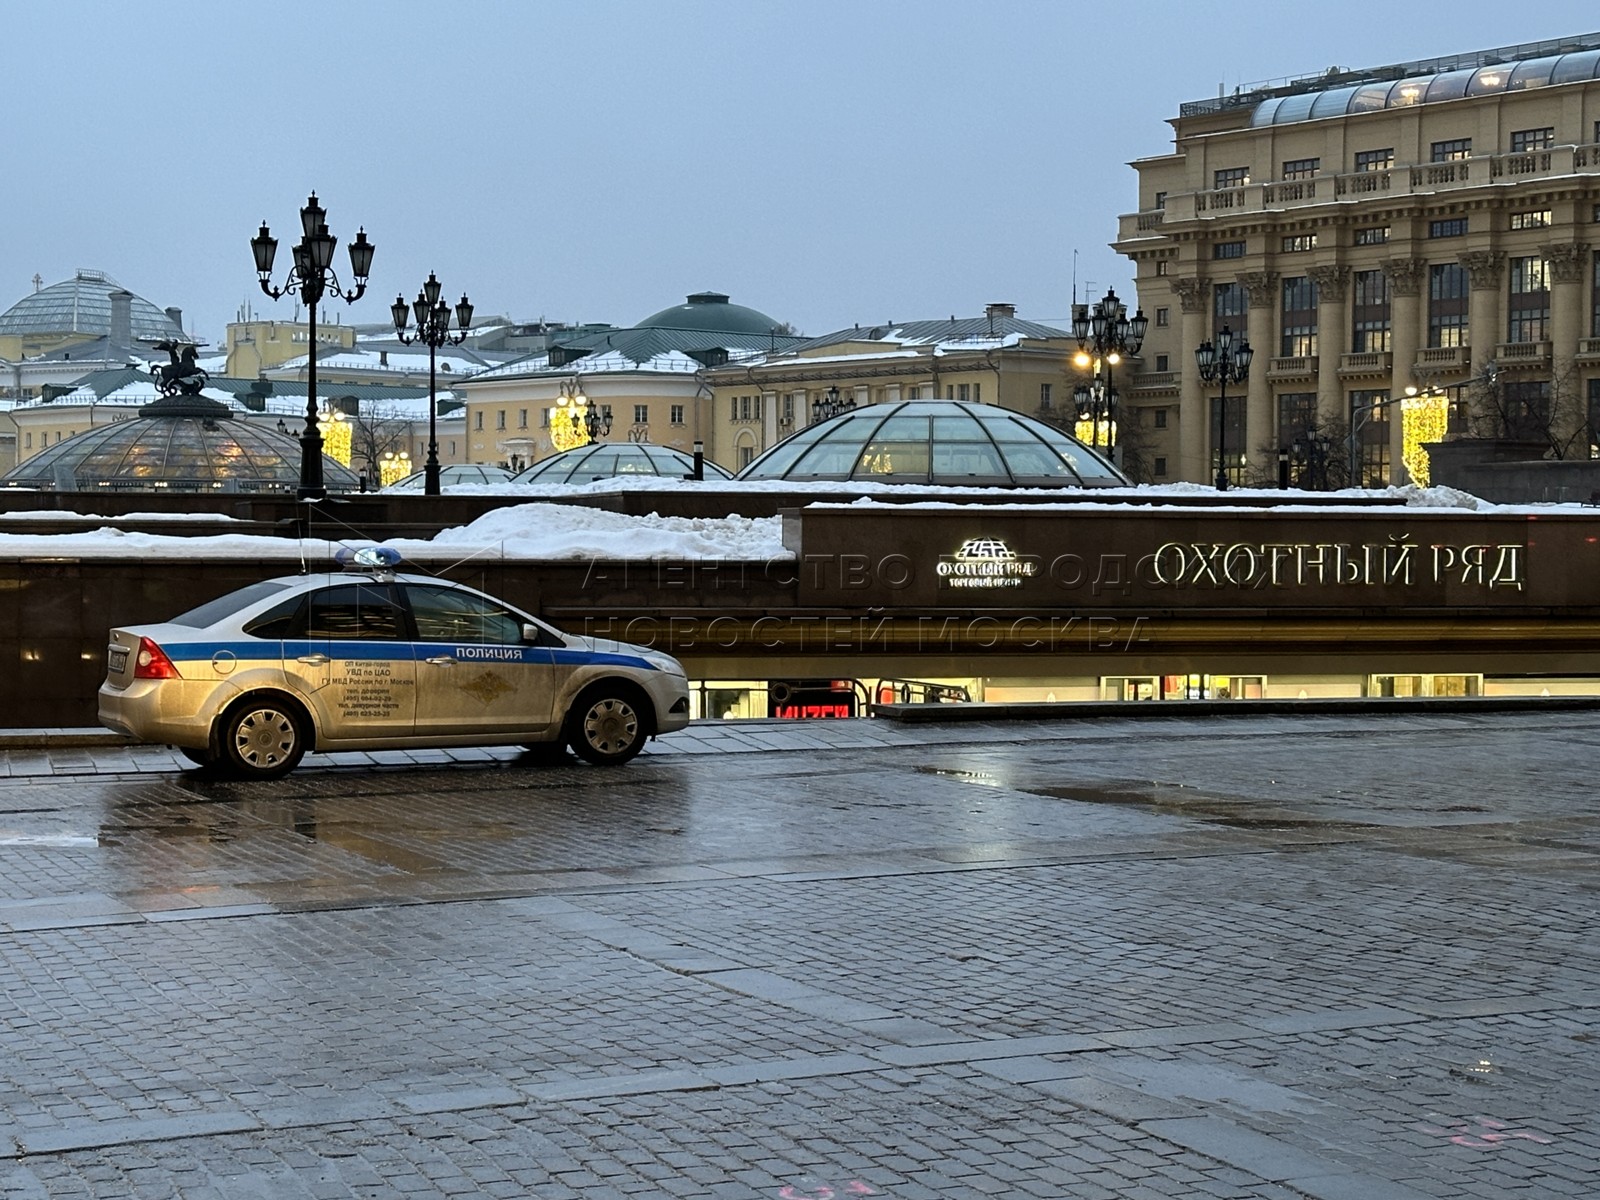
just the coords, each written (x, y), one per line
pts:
(151, 662)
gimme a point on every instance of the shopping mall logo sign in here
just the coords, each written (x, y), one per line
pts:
(985, 563)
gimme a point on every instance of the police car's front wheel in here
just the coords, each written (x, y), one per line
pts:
(263, 737)
(606, 726)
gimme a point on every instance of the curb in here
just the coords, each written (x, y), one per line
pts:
(1069, 710)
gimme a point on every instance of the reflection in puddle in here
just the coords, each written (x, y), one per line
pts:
(982, 777)
(8, 838)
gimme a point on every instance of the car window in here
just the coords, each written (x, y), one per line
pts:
(286, 620)
(354, 610)
(451, 615)
(213, 611)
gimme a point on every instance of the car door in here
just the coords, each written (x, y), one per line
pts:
(477, 675)
(353, 660)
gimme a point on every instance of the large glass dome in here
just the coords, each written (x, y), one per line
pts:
(82, 304)
(184, 444)
(946, 442)
(603, 460)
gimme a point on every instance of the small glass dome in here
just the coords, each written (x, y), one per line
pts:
(455, 473)
(950, 443)
(181, 444)
(603, 460)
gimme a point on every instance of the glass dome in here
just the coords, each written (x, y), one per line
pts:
(82, 304)
(455, 473)
(186, 444)
(603, 460)
(950, 443)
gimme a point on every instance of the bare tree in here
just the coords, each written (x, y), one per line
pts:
(376, 430)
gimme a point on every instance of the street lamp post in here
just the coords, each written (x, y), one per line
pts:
(433, 331)
(311, 276)
(831, 406)
(1311, 451)
(1105, 334)
(1225, 362)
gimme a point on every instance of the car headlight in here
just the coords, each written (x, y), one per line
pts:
(665, 662)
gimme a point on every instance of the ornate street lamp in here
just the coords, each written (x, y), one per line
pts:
(830, 406)
(1225, 362)
(592, 421)
(1105, 334)
(433, 331)
(311, 276)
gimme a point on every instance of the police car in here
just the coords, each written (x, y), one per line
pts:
(370, 660)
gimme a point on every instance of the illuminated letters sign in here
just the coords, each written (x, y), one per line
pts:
(985, 563)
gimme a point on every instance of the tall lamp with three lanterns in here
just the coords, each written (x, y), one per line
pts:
(433, 331)
(1225, 361)
(1105, 334)
(311, 277)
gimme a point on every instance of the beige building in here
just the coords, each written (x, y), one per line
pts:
(1427, 226)
(993, 359)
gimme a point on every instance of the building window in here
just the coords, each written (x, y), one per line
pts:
(1232, 177)
(1161, 362)
(500, 419)
(1373, 235)
(1161, 466)
(1538, 218)
(1369, 430)
(1454, 227)
(1301, 168)
(478, 419)
(641, 414)
(1299, 242)
(963, 393)
(452, 449)
(1451, 151)
(1297, 420)
(1529, 307)
(1163, 265)
(1160, 418)
(1447, 305)
(1594, 297)
(1526, 409)
(1370, 313)
(1523, 140)
(744, 408)
(1163, 318)
(746, 454)
(733, 412)
(1044, 395)
(787, 415)
(27, 441)
(1299, 338)
(1228, 250)
(1161, 201)
(675, 413)
(1230, 306)
(1375, 160)
(522, 418)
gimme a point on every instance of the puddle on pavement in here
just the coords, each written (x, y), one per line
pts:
(1180, 801)
(981, 777)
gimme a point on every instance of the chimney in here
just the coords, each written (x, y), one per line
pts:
(175, 315)
(1000, 310)
(121, 332)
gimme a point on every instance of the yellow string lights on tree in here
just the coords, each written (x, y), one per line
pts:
(1424, 417)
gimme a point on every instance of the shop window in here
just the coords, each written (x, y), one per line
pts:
(1129, 687)
(1213, 687)
(1405, 686)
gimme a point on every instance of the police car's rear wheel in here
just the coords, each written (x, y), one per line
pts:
(263, 737)
(605, 726)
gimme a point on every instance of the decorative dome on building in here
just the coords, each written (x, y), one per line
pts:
(178, 444)
(948, 443)
(605, 460)
(711, 312)
(82, 304)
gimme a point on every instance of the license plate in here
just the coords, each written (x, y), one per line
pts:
(117, 661)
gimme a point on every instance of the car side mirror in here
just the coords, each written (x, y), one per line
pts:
(531, 633)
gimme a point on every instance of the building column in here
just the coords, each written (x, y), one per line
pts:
(1485, 325)
(1569, 415)
(1406, 276)
(1333, 335)
(1194, 409)
(1260, 423)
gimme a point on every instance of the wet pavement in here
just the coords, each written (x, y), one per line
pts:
(1347, 958)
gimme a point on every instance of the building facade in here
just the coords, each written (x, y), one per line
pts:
(1410, 251)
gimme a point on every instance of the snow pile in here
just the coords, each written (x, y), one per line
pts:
(560, 531)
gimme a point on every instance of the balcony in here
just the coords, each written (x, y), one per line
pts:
(1371, 362)
(1435, 360)
(1522, 354)
(1155, 381)
(1410, 179)
(1301, 366)
(1589, 350)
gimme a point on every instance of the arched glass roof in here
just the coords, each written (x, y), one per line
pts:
(945, 442)
(1428, 89)
(190, 450)
(604, 460)
(82, 304)
(454, 473)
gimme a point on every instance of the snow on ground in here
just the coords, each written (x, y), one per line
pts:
(561, 531)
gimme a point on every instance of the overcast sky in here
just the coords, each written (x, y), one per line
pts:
(825, 161)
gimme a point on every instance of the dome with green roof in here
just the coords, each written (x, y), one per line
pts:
(82, 304)
(711, 312)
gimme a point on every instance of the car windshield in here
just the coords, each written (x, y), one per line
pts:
(225, 606)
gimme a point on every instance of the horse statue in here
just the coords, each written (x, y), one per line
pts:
(182, 376)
